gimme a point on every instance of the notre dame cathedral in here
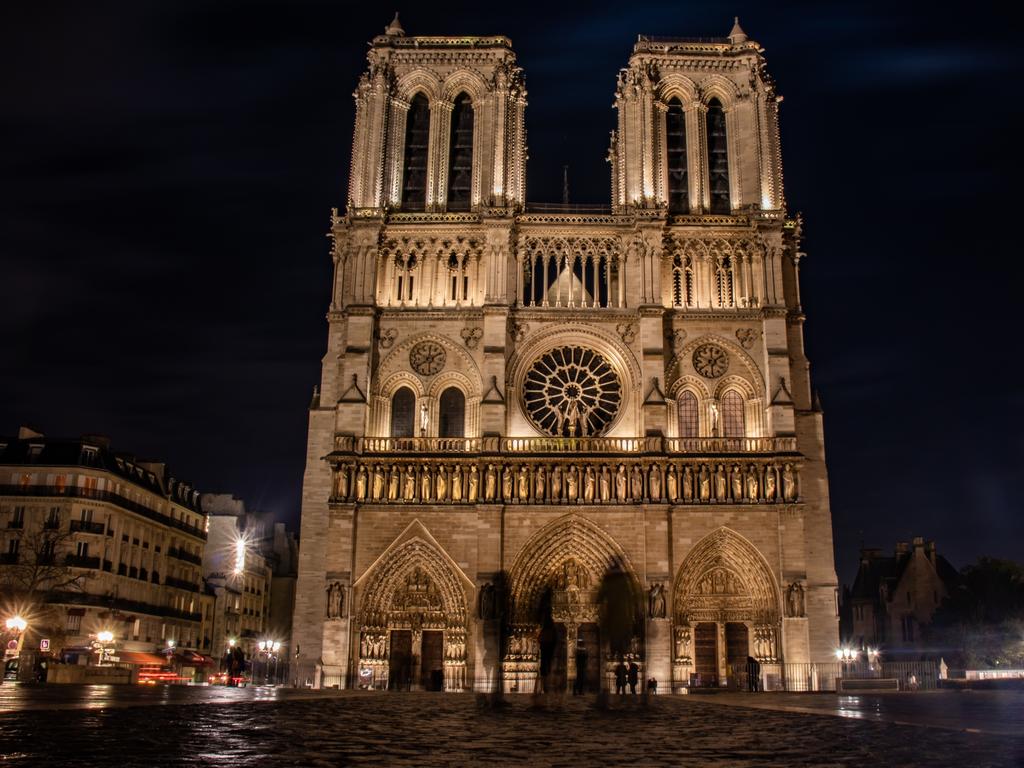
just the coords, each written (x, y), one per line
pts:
(517, 400)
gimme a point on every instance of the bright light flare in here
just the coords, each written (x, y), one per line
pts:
(16, 624)
(239, 555)
(105, 636)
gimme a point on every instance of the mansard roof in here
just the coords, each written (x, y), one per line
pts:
(95, 453)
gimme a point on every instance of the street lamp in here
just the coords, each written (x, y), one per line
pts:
(268, 650)
(16, 624)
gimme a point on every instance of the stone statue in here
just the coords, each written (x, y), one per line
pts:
(361, 484)
(795, 600)
(335, 598)
(341, 483)
(487, 604)
(572, 481)
(682, 643)
(474, 483)
(457, 483)
(506, 483)
(409, 484)
(424, 419)
(540, 484)
(654, 482)
(704, 482)
(606, 483)
(736, 480)
(687, 483)
(490, 483)
(769, 483)
(788, 483)
(656, 601)
(714, 419)
(556, 483)
(752, 483)
(720, 485)
(393, 482)
(378, 482)
(672, 484)
(620, 483)
(442, 483)
(636, 483)
(524, 483)
(426, 485)
(588, 485)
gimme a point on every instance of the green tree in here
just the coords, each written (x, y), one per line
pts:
(983, 618)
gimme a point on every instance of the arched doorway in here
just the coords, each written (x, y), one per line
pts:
(726, 608)
(571, 587)
(412, 622)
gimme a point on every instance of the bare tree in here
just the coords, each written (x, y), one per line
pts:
(41, 571)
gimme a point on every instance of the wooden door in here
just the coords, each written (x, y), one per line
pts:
(432, 661)
(400, 660)
(705, 647)
(737, 646)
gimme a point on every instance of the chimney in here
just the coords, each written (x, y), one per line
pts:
(27, 433)
(902, 548)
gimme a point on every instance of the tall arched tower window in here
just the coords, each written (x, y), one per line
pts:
(718, 158)
(460, 155)
(675, 134)
(686, 408)
(732, 415)
(452, 421)
(417, 138)
(403, 413)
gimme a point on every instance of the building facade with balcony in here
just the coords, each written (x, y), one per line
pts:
(95, 540)
(519, 403)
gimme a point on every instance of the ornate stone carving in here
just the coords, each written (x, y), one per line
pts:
(682, 645)
(710, 361)
(676, 338)
(472, 336)
(627, 331)
(656, 607)
(572, 392)
(518, 331)
(746, 337)
(388, 336)
(427, 358)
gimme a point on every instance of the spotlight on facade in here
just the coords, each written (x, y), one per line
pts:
(239, 555)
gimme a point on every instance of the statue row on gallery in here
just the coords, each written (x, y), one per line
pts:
(567, 483)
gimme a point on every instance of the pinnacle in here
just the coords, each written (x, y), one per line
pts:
(737, 35)
(394, 29)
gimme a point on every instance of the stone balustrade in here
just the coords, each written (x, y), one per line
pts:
(566, 445)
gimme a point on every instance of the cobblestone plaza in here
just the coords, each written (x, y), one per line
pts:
(256, 727)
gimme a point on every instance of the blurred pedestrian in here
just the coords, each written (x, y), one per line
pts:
(634, 677)
(620, 678)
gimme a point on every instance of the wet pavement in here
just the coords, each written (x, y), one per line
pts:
(157, 726)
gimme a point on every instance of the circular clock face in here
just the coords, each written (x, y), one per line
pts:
(572, 392)
(427, 358)
(710, 361)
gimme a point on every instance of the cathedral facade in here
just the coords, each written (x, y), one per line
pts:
(517, 401)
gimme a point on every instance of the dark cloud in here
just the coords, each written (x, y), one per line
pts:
(169, 167)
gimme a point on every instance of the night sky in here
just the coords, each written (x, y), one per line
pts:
(168, 171)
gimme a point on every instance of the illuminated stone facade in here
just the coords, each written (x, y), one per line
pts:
(516, 399)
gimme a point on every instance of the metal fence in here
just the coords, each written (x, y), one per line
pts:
(826, 676)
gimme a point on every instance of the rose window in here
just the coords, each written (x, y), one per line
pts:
(572, 392)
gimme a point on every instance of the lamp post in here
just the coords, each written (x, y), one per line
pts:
(103, 639)
(847, 657)
(268, 650)
(16, 626)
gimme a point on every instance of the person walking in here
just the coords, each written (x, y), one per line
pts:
(634, 677)
(580, 684)
(620, 677)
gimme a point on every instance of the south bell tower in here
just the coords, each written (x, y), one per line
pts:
(515, 399)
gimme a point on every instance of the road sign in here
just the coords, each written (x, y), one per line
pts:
(44, 644)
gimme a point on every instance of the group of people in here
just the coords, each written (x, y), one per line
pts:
(630, 674)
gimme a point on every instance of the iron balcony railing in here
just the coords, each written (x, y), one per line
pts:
(568, 445)
(87, 526)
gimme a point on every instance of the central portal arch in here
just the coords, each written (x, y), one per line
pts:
(412, 620)
(555, 585)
